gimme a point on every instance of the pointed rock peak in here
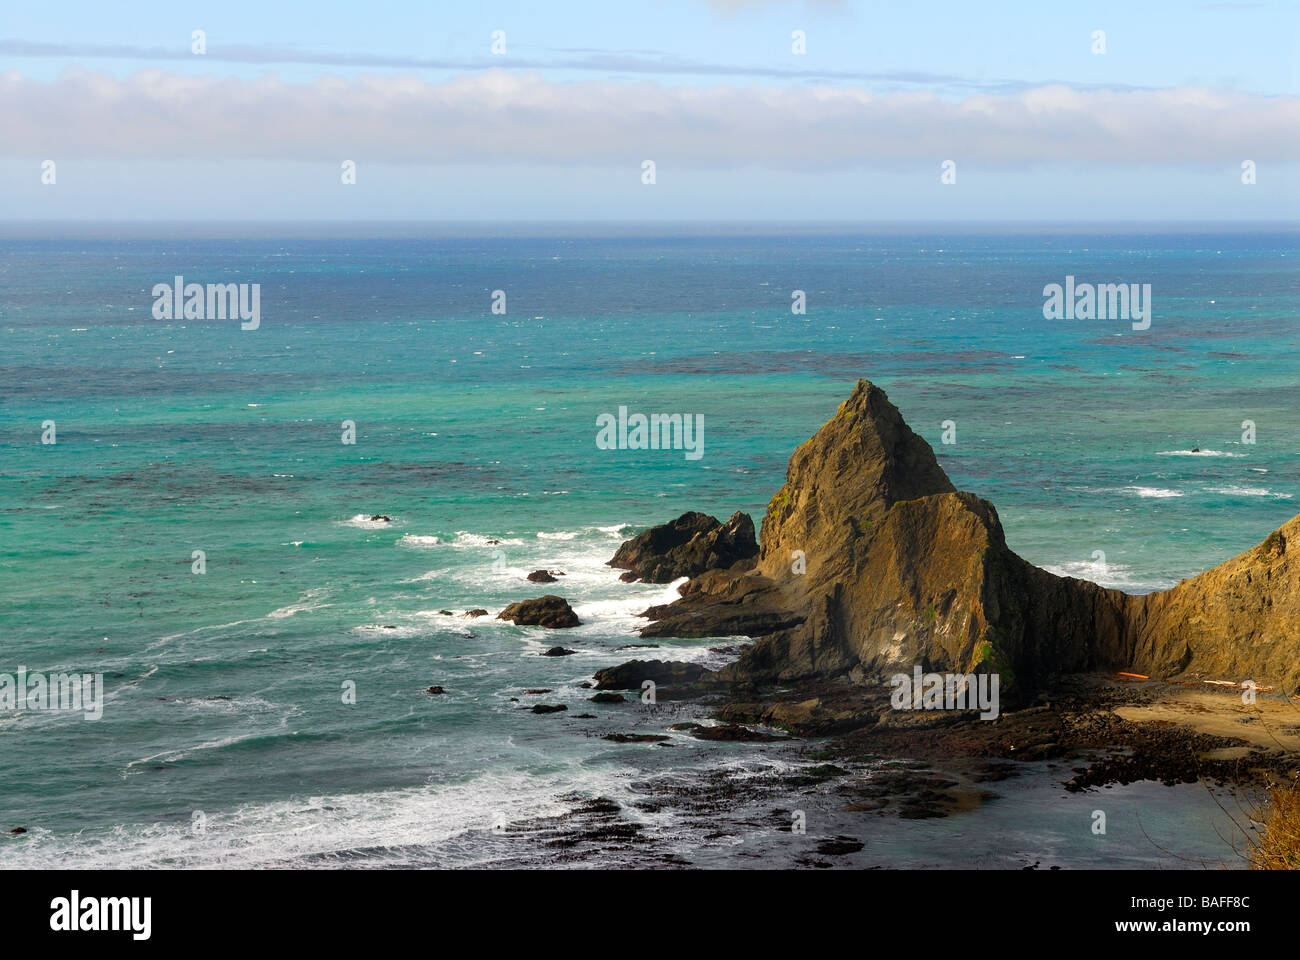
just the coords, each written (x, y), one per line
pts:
(869, 418)
(859, 464)
(869, 438)
(863, 395)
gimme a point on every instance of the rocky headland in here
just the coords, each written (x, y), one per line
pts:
(872, 563)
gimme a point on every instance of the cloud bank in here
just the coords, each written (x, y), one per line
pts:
(498, 116)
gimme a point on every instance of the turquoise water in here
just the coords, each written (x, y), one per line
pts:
(224, 690)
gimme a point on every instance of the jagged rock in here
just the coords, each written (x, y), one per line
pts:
(471, 614)
(547, 611)
(687, 546)
(544, 576)
(630, 675)
(872, 562)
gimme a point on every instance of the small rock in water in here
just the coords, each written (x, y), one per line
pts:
(547, 611)
(558, 652)
(630, 675)
(435, 690)
(549, 708)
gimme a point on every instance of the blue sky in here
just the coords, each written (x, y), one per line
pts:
(1039, 127)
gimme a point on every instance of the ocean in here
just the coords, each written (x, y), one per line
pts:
(226, 739)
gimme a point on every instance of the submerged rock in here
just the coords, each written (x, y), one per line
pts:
(733, 733)
(547, 611)
(839, 847)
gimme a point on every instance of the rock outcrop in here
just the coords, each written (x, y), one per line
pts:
(872, 562)
(547, 611)
(686, 547)
(631, 675)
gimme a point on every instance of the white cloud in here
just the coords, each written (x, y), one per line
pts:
(515, 117)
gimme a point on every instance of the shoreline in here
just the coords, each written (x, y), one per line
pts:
(1101, 744)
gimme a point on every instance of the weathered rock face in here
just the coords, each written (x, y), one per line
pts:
(873, 563)
(547, 611)
(686, 547)
(1238, 621)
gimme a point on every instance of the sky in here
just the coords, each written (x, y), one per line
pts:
(947, 111)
